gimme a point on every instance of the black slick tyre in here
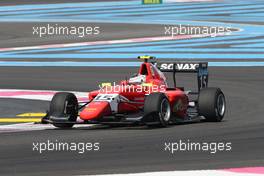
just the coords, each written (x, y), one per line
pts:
(212, 104)
(157, 111)
(64, 105)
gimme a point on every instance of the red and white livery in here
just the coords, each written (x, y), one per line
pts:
(144, 99)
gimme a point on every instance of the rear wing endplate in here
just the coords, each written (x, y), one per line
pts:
(201, 68)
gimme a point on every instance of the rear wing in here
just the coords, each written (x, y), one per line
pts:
(200, 68)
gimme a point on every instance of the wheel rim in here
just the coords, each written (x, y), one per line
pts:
(221, 105)
(165, 111)
(66, 107)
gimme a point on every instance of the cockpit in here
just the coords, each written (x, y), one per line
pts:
(148, 73)
(140, 77)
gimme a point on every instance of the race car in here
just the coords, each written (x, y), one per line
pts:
(143, 99)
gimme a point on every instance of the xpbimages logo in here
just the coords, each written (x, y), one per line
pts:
(189, 146)
(180, 29)
(143, 87)
(78, 31)
(79, 147)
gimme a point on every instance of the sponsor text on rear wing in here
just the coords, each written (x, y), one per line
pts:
(201, 68)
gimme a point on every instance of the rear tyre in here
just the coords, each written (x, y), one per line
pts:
(64, 105)
(157, 111)
(212, 104)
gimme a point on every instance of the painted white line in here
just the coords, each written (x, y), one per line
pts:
(170, 1)
(45, 95)
(133, 40)
(32, 127)
(187, 173)
(24, 127)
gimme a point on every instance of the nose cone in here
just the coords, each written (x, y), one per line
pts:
(95, 110)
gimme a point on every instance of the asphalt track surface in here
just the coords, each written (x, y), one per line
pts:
(11, 37)
(137, 149)
(125, 149)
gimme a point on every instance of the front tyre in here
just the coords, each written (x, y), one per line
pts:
(157, 111)
(212, 104)
(64, 106)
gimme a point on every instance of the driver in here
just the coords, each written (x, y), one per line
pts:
(138, 79)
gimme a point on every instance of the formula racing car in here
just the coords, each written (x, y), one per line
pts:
(143, 99)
